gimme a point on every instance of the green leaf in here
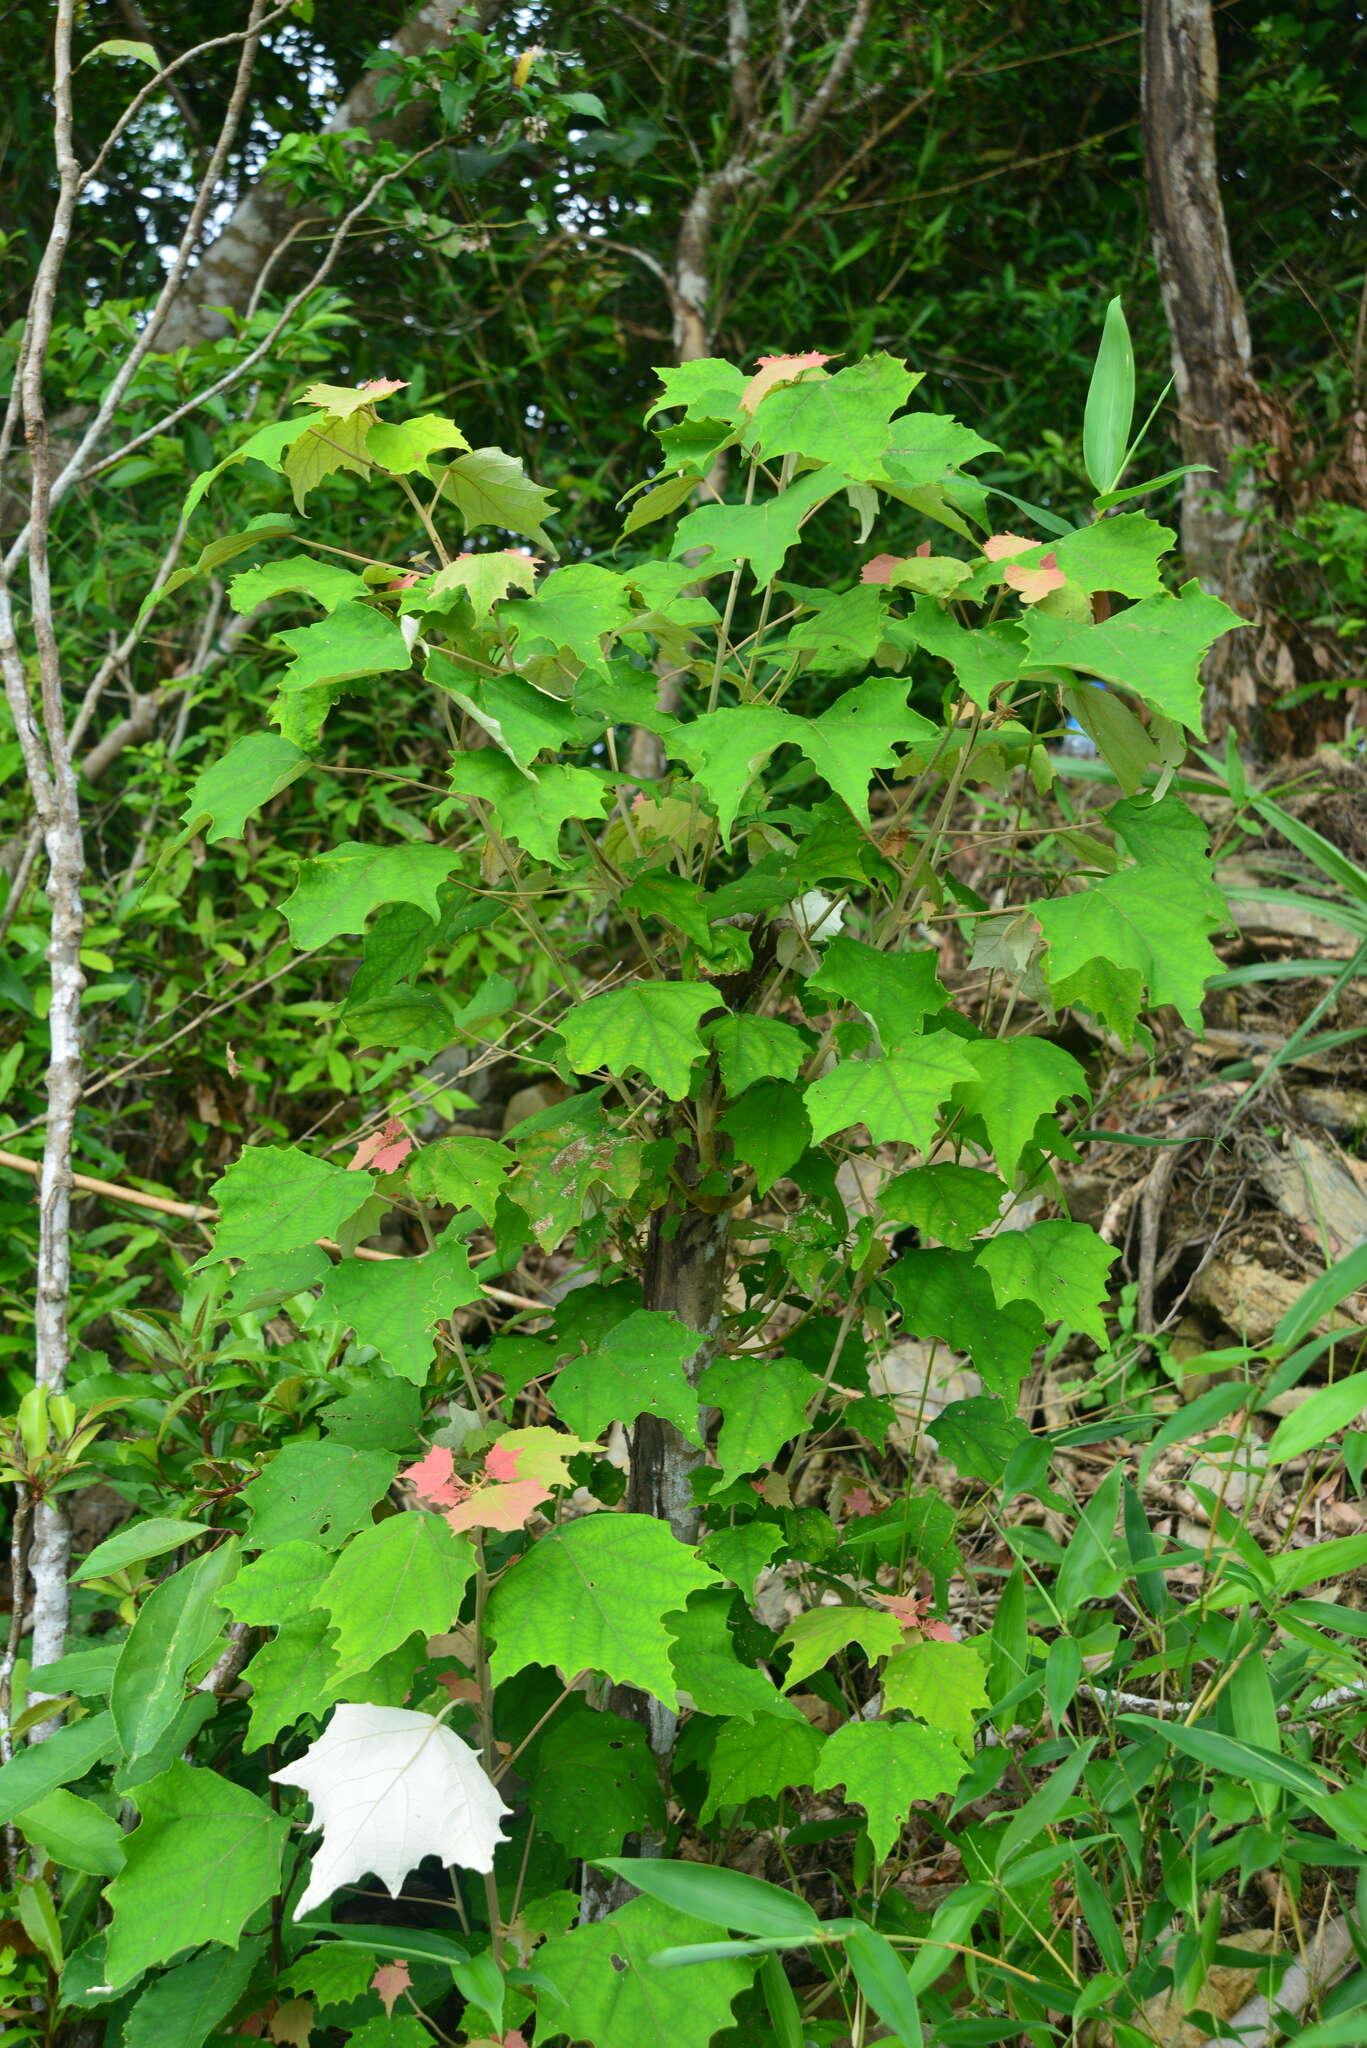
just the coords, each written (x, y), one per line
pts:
(896, 1099)
(1091, 1568)
(707, 389)
(519, 718)
(73, 1832)
(1109, 412)
(926, 448)
(649, 1027)
(945, 1683)
(226, 793)
(290, 1676)
(485, 577)
(1154, 649)
(845, 630)
(337, 890)
(659, 502)
(66, 1755)
(402, 1577)
(1120, 554)
(741, 1552)
(1061, 1267)
(206, 1856)
(136, 1542)
(531, 807)
(751, 1048)
(951, 1203)
(274, 1198)
(1243, 1762)
(120, 46)
(282, 1585)
(885, 1767)
(898, 991)
(1144, 928)
(764, 1404)
(946, 1295)
(978, 1436)
(1328, 1410)
(1323, 1294)
(881, 1975)
(356, 640)
(406, 447)
(760, 534)
(770, 1130)
(616, 1999)
(328, 583)
(569, 1163)
(334, 442)
(177, 1624)
(708, 1668)
(725, 1898)
(983, 659)
(576, 609)
(186, 2005)
(823, 1632)
(637, 1369)
(843, 418)
(396, 1305)
(1019, 1080)
(593, 1596)
(593, 1781)
(489, 488)
(267, 444)
(466, 1172)
(315, 1492)
(759, 1759)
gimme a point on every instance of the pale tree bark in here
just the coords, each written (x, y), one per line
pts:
(229, 273)
(1221, 409)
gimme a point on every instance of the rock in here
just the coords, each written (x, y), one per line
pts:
(1315, 1188)
(1251, 1300)
(1224, 1991)
(1340, 1110)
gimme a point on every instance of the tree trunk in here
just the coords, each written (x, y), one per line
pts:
(1220, 407)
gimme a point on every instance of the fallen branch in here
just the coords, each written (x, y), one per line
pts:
(198, 1212)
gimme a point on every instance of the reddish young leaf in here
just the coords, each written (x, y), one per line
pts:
(504, 1507)
(880, 568)
(775, 370)
(384, 1150)
(999, 545)
(434, 1478)
(1034, 583)
(391, 1980)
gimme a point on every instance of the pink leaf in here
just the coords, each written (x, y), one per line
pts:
(880, 568)
(498, 1507)
(924, 549)
(1000, 545)
(384, 387)
(1035, 582)
(384, 1150)
(501, 1462)
(906, 1606)
(390, 1980)
(938, 1631)
(434, 1478)
(774, 370)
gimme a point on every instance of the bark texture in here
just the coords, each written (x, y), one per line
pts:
(231, 267)
(1220, 407)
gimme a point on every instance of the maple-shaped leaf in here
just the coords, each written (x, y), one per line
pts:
(842, 633)
(401, 1577)
(353, 641)
(334, 442)
(708, 1667)
(637, 1369)
(1019, 1080)
(384, 1149)
(616, 1997)
(490, 488)
(978, 1436)
(925, 449)
(575, 608)
(898, 991)
(433, 1478)
(1061, 1268)
(465, 1171)
(759, 1759)
(707, 388)
(593, 1781)
(505, 1506)
(944, 1682)
(391, 1980)
(405, 447)
(396, 1304)
(1153, 649)
(763, 1402)
(226, 793)
(760, 533)
(949, 1203)
(345, 399)
(821, 1633)
(282, 1585)
(885, 1767)
(593, 1595)
(896, 1098)
(932, 575)
(843, 419)
(327, 582)
(750, 1048)
(1120, 555)
(535, 1453)
(485, 578)
(984, 659)
(946, 1295)
(275, 1197)
(771, 371)
(1141, 929)
(529, 806)
(648, 1027)
(569, 1162)
(769, 1129)
(315, 1492)
(389, 1787)
(337, 891)
(1035, 580)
